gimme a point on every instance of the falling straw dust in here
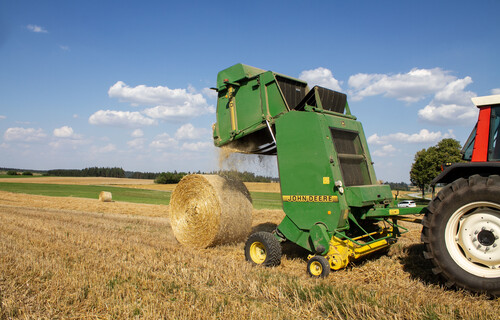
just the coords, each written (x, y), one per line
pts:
(239, 160)
(208, 210)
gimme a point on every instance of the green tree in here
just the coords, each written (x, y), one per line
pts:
(427, 163)
(449, 151)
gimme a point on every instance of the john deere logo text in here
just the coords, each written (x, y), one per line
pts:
(310, 199)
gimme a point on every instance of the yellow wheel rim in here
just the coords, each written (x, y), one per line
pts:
(316, 268)
(258, 252)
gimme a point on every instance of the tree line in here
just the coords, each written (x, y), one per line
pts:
(114, 172)
(160, 178)
(402, 186)
(244, 176)
(175, 177)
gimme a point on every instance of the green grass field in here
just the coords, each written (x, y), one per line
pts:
(266, 200)
(91, 192)
(261, 200)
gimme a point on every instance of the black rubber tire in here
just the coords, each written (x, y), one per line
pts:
(269, 246)
(318, 267)
(447, 208)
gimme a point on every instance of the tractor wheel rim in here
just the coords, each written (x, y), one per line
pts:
(316, 268)
(258, 252)
(472, 237)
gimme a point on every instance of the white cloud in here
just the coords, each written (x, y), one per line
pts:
(136, 143)
(386, 150)
(322, 77)
(177, 112)
(374, 139)
(67, 137)
(454, 92)
(73, 143)
(152, 96)
(188, 131)
(137, 133)
(36, 29)
(120, 119)
(163, 141)
(191, 89)
(196, 146)
(64, 48)
(448, 114)
(424, 136)
(209, 93)
(106, 149)
(409, 87)
(63, 132)
(168, 103)
(24, 134)
(2, 117)
(452, 104)
(495, 91)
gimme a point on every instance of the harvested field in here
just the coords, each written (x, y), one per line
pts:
(131, 183)
(263, 187)
(81, 180)
(88, 259)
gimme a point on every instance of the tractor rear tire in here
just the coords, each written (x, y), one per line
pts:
(461, 234)
(318, 267)
(262, 248)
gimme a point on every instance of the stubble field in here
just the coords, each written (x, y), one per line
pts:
(80, 258)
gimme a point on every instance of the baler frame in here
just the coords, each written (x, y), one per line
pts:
(328, 184)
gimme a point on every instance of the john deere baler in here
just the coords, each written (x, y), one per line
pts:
(334, 207)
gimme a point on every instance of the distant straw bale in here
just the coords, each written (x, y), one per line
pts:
(208, 210)
(105, 196)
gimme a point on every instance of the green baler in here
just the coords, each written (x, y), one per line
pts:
(334, 207)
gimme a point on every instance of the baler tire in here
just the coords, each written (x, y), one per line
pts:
(262, 248)
(318, 267)
(461, 234)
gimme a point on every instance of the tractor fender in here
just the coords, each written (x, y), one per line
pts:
(465, 170)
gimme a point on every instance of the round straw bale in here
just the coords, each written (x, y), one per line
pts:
(105, 196)
(207, 210)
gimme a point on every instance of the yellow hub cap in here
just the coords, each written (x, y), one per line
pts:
(258, 252)
(316, 268)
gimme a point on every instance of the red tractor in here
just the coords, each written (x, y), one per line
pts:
(461, 229)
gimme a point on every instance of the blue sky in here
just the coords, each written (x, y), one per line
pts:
(125, 83)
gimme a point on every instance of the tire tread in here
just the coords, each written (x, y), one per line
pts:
(272, 245)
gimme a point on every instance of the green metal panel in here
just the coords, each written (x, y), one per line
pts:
(306, 174)
(275, 104)
(247, 97)
(362, 196)
(309, 166)
(320, 238)
(247, 105)
(235, 74)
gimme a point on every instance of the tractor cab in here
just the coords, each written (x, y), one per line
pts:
(483, 143)
(482, 148)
